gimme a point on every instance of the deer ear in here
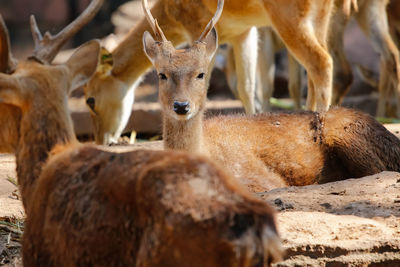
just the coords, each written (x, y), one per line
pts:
(150, 46)
(83, 63)
(211, 41)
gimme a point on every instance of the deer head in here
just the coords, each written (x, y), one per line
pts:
(23, 82)
(183, 73)
(109, 101)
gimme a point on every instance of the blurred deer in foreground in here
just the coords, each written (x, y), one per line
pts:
(10, 115)
(10, 118)
(268, 150)
(301, 24)
(88, 207)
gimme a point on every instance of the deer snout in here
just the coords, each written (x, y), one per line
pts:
(181, 108)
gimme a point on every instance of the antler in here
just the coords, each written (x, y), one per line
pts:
(213, 21)
(47, 46)
(153, 22)
(7, 62)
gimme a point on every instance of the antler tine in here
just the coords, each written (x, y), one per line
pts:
(213, 21)
(153, 22)
(7, 62)
(47, 46)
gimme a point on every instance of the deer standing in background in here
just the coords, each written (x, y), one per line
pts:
(88, 207)
(388, 46)
(302, 25)
(372, 17)
(264, 151)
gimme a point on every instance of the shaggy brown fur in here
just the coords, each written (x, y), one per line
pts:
(269, 150)
(88, 207)
(9, 130)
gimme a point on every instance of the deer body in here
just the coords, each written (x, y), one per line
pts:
(295, 21)
(86, 206)
(268, 150)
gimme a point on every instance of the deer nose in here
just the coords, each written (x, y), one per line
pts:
(181, 108)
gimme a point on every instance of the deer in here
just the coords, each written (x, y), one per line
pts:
(268, 150)
(11, 115)
(302, 25)
(387, 43)
(86, 206)
(372, 17)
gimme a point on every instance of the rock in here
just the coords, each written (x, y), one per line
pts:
(347, 223)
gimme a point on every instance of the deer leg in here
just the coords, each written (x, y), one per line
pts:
(310, 93)
(306, 42)
(230, 72)
(318, 63)
(342, 74)
(373, 21)
(295, 81)
(245, 52)
(266, 66)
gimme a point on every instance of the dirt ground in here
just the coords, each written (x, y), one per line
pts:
(349, 223)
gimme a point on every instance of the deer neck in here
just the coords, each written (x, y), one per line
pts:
(39, 134)
(130, 61)
(130, 51)
(184, 135)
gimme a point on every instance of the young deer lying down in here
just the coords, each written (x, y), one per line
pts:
(88, 207)
(268, 150)
(302, 25)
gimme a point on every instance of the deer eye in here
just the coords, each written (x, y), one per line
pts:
(201, 75)
(163, 76)
(91, 102)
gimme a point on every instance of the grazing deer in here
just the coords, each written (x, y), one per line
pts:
(267, 150)
(88, 207)
(302, 25)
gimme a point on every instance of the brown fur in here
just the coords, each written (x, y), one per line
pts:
(301, 24)
(88, 207)
(269, 150)
(9, 130)
(10, 119)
